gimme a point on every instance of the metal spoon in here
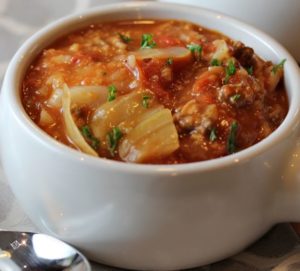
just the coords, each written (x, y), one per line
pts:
(38, 252)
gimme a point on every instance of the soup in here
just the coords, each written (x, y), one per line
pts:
(154, 91)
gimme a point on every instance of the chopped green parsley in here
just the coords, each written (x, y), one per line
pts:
(169, 61)
(215, 62)
(113, 138)
(196, 49)
(212, 136)
(125, 38)
(250, 70)
(147, 41)
(145, 100)
(229, 70)
(87, 134)
(234, 98)
(112, 91)
(278, 66)
(231, 141)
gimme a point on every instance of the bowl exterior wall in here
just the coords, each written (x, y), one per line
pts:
(160, 221)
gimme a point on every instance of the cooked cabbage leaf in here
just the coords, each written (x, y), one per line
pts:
(155, 136)
(124, 112)
(147, 131)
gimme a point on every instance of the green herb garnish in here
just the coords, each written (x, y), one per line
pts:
(229, 70)
(87, 134)
(112, 91)
(231, 145)
(278, 66)
(234, 98)
(215, 62)
(113, 139)
(196, 49)
(145, 100)
(169, 61)
(250, 70)
(147, 41)
(125, 38)
(212, 135)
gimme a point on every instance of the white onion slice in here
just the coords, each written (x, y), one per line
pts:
(71, 128)
(222, 51)
(80, 95)
(176, 53)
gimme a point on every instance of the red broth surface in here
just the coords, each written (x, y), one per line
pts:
(146, 91)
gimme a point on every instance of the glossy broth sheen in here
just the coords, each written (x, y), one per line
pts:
(161, 92)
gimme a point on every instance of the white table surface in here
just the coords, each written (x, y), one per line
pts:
(21, 18)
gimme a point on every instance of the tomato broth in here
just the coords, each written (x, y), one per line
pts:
(154, 91)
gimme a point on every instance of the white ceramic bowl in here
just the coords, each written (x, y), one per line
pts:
(151, 216)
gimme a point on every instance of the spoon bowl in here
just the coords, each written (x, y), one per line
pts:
(35, 251)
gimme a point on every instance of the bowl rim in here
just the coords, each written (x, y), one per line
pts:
(282, 132)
